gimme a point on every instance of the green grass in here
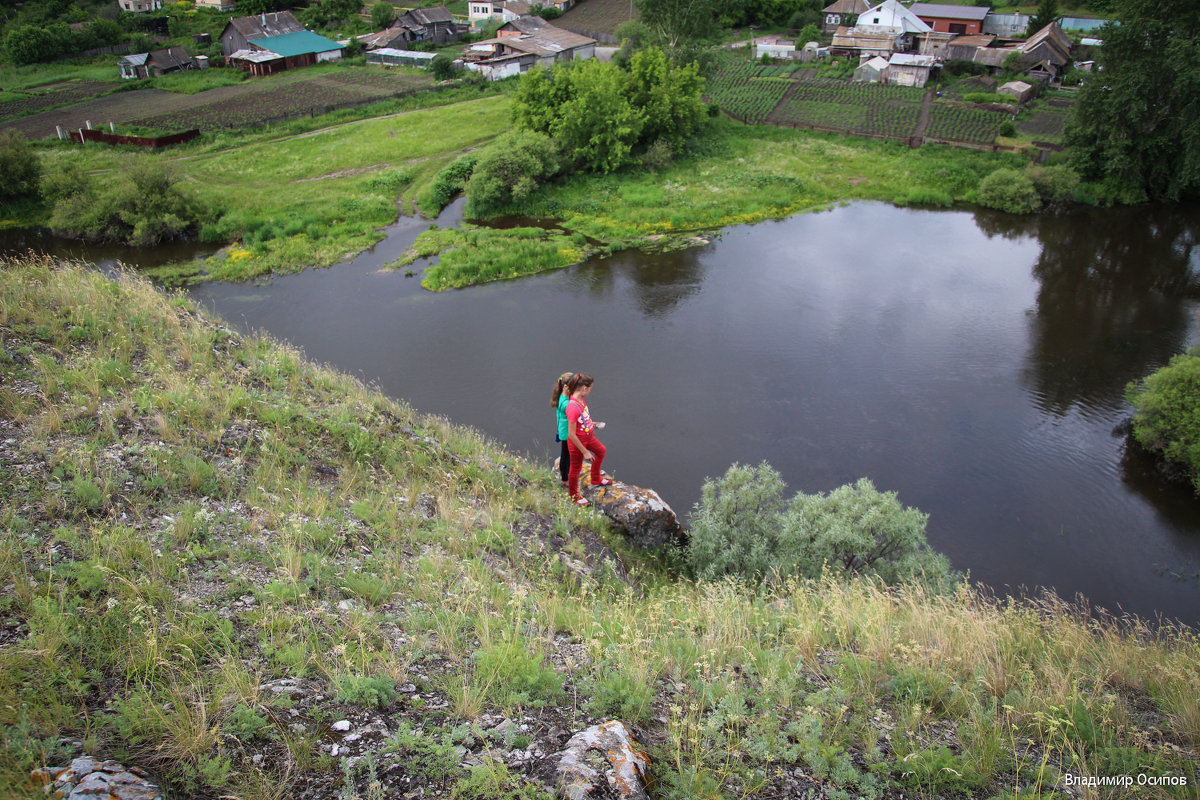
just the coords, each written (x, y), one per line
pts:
(159, 467)
(473, 255)
(36, 75)
(314, 198)
(193, 81)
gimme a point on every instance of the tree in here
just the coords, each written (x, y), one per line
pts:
(251, 7)
(677, 25)
(382, 15)
(1136, 124)
(1047, 12)
(31, 44)
(668, 98)
(20, 169)
(743, 527)
(601, 115)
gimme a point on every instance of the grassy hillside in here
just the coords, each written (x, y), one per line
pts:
(212, 550)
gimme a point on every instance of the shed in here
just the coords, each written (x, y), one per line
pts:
(909, 69)
(1021, 90)
(873, 70)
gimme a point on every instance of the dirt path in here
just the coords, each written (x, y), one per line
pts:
(923, 117)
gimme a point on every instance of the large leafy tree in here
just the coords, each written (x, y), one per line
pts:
(1136, 125)
(677, 25)
(601, 115)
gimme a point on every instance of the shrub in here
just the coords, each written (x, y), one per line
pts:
(1166, 406)
(20, 170)
(1008, 128)
(516, 675)
(442, 67)
(449, 182)
(1054, 185)
(143, 205)
(1009, 190)
(510, 170)
(743, 527)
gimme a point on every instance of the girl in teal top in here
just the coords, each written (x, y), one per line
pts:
(559, 400)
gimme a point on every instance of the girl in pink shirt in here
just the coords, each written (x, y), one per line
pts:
(582, 442)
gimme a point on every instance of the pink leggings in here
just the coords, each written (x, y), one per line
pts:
(598, 451)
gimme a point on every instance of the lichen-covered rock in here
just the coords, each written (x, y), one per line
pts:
(88, 779)
(641, 513)
(603, 762)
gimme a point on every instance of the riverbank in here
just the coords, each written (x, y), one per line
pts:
(213, 550)
(315, 197)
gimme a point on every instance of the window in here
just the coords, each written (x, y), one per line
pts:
(958, 27)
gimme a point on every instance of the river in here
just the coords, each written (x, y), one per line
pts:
(973, 362)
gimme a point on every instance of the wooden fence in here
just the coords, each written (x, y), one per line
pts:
(91, 135)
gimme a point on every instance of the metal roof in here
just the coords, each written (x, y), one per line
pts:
(296, 44)
(943, 10)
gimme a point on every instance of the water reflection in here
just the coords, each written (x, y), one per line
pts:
(1108, 304)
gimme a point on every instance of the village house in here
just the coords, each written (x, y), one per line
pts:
(481, 13)
(436, 25)
(240, 30)
(140, 6)
(880, 31)
(217, 5)
(272, 54)
(843, 13)
(154, 63)
(524, 43)
(951, 19)
(1043, 56)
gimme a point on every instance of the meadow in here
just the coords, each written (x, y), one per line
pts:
(211, 551)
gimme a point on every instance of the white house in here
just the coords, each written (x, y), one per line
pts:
(140, 5)
(479, 13)
(890, 17)
(909, 69)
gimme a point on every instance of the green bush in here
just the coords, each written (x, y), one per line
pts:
(743, 527)
(142, 205)
(449, 182)
(1009, 190)
(442, 67)
(510, 170)
(1054, 185)
(20, 170)
(1166, 412)
(1008, 128)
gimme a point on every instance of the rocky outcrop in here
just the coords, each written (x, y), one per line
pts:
(88, 779)
(603, 762)
(641, 513)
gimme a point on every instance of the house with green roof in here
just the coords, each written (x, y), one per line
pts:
(270, 54)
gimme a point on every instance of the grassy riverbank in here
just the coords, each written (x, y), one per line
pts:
(212, 550)
(314, 192)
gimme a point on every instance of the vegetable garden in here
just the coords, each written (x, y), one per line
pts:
(950, 122)
(316, 95)
(31, 101)
(786, 95)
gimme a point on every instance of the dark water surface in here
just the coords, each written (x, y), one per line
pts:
(975, 363)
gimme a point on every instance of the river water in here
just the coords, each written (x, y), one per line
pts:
(973, 362)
